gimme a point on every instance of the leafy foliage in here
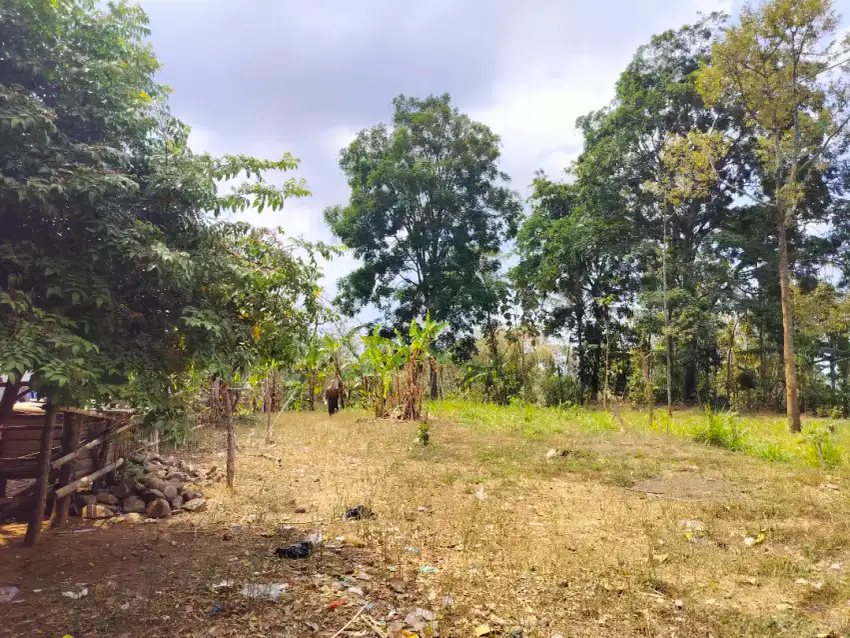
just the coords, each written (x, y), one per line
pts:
(427, 215)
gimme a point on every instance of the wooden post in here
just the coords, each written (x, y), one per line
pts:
(41, 483)
(67, 458)
(231, 438)
(103, 452)
(70, 440)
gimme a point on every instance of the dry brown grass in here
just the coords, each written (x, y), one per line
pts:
(572, 546)
(568, 546)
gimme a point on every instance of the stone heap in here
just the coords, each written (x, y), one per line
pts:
(150, 485)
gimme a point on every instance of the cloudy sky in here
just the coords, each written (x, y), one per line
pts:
(266, 76)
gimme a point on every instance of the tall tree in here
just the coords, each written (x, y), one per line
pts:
(428, 214)
(783, 65)
(105, 211)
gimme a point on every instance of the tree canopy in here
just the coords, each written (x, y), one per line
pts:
(428, 215)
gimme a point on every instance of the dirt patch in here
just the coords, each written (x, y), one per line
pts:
(685, 486)
(171, 580)
(479, 528)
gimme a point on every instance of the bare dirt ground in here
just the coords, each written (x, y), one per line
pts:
(623, 534)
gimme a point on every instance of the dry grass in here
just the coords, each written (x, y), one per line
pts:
(573, 546)
(566, 546)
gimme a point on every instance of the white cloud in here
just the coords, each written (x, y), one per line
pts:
(335, 139)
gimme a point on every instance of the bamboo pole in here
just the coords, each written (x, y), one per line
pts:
(70, 440)
(88, 446)
(86, 480)
(41, 483)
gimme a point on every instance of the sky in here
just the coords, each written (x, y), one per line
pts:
(263, 77)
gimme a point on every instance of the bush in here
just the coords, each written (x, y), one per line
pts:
(722, 429)
(773, 453)
(822, 448)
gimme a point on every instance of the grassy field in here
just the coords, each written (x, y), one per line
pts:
(822, 444)
(626, 531)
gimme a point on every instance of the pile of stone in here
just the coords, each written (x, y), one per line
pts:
(150, 485)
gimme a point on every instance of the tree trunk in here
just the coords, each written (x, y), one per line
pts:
(231, 437)
(70, 440)
(667, 332)
(582, 385)
(729, 357)
(650, 393)
(791, 404)
(42, 482)
(435, 394)
(10, 397)
(268, 405)
(607, 364)
(762, 367)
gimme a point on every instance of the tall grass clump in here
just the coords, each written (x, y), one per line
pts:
(821, 446)
(724, 430)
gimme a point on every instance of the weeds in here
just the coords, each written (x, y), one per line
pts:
(424, 433)
(723, 430)
(764, 437)
(821, 446)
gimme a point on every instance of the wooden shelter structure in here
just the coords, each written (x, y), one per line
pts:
(63, 449)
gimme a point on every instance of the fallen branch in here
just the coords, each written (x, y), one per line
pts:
(353, 618)
(374, 626)
(86, 480)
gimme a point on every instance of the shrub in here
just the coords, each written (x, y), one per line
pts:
(722, 429)
(821, 446)
(773, 453)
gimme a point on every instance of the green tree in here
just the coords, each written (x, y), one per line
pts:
(106, 213)
(428, 214)
(256, 309)
(784, 67)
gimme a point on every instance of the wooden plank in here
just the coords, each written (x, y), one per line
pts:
(26, 427)
(70, 440)
(90, 445)
(40, 499)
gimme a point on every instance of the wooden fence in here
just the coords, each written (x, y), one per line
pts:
(73, 450)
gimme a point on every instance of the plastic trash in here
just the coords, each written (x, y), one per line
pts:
(358, 513)
(76, 595)
(269, 591)
(7, 594)
(299, 550)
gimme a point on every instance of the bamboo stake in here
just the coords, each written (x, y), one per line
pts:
(86, 480)
(88, 446)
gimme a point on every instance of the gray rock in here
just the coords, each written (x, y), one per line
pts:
(151, 495)
(155, 483)
(158, 508)
(170, 492)
(86, 499)
(97, 510)
(123, 489)
(195, 505)
(188, 468)
(106, 498)
(190, 492)
(133, 504)
(176, 476)
(176, 502)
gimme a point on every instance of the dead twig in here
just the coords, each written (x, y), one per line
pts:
(353, 618)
